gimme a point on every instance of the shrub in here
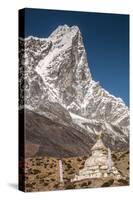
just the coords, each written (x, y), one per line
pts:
(124, 182)
(108, 183)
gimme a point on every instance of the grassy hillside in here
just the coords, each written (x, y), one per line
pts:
(42, 173)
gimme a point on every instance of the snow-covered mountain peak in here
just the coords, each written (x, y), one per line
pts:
(55, 69)
(65, 67)
(62, 30)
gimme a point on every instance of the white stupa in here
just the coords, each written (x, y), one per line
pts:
(99, 165)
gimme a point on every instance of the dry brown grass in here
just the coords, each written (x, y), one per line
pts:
(42, 173)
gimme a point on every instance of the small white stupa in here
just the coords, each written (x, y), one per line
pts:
(99, 165)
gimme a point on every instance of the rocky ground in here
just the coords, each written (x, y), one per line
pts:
(42, 173)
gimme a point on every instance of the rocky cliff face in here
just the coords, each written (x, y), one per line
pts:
(54, 71)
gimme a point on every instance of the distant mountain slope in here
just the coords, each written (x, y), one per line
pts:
(50, 138)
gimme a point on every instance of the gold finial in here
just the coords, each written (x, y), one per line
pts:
(98, 134)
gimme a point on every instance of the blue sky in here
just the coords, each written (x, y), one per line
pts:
(106, 40)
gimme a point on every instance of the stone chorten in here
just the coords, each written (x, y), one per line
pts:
(99, 165)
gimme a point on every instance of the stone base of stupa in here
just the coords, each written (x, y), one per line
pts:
(97, 172)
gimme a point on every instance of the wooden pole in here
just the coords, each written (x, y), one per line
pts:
(61, 171)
